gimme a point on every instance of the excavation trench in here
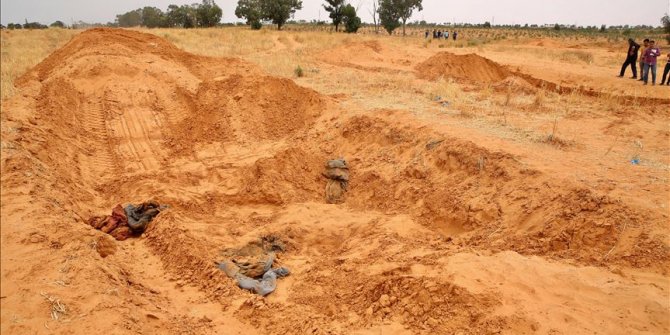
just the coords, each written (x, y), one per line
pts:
(233, 136)
(237, 154)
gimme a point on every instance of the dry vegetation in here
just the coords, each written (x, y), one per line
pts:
(22, 50)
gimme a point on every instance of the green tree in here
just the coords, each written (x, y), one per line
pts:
(57, 24)
(351, 21)
(388, 15)
(666, 26)
(398, 10)
(181, 16)
(208, 13)
(403, 9)
(487, 24)
(603, 28)
(153, 17)
(130, 19)
(279, 11)
(251, 11)
(335, 8)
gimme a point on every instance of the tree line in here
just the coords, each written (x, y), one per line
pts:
(33, 25)
(279, 11)
(204, 14)
(388, 14)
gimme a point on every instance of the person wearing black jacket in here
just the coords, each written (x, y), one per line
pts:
(631, 58)
(666, 71)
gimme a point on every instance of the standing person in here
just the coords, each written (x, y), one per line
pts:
(631, 58)
(666, 71)
(455, 34)
(434, 33)
(650, 56)
(646, 45)
(427, 33)
(446, 34)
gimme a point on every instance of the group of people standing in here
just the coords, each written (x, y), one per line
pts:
(442, 34)
(647, 61)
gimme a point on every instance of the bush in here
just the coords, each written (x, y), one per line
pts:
(256, 25)
(57, 24)
(351, 21)
(298, 72)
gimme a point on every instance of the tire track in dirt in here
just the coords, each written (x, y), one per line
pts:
(136, 131)
(99, 160)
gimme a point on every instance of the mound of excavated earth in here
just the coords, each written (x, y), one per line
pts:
(436, 235)
(470, 67)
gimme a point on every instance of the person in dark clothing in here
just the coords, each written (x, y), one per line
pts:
(666, 71)
(631, 58)
(646, 45)
(427, 34)
(434, 33)
(455, 34)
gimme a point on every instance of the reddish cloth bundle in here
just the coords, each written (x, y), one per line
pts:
(115, 224)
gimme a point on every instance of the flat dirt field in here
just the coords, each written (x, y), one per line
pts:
(510, 187)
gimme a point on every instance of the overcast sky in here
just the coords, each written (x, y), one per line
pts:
(580, 12)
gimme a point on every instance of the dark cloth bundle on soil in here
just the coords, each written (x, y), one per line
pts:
(251, 265)
(124, 222)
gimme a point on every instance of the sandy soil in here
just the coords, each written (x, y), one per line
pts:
(458, 219)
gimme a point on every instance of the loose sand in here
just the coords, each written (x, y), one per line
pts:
(439, 234)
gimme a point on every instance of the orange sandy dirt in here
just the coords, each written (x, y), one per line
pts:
(449, 227)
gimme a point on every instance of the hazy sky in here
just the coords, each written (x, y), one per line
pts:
(580, 12)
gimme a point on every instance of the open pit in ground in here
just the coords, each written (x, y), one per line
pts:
(437, 234)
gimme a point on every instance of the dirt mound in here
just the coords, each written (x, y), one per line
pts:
(367, 47)
(120, 49)
(372, 45)
(369, 56)
(515, 84)
(243, 107)
(138, 91)
(367, 50)
(470, 68)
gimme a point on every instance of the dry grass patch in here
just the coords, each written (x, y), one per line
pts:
(58, 309)
(554, 139)
(446, 89)
(23, 49)
(572, 56)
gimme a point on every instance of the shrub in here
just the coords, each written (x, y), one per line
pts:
(351, 21)
(298, 72)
